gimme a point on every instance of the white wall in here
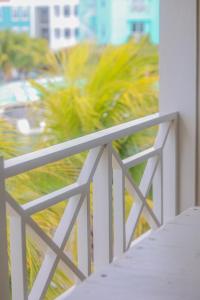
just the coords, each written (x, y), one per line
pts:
(63, 22)
(178, 91)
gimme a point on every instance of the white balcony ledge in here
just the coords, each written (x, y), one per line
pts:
(163, 266)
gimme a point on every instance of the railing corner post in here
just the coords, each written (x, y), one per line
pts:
(102, 210)
(170, 174)
(4, 273)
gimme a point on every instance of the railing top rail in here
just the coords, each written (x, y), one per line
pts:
(57, 152)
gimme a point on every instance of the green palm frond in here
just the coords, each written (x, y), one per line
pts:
(118, 85)
(8, 145)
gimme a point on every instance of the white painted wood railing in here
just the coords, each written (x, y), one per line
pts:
(109, 177)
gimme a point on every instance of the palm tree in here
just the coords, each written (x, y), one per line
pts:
(8, 144)
(19, 51)
(102, 87)
(116, 85)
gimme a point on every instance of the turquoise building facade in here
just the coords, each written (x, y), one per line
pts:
(15, 18)
(116, 21)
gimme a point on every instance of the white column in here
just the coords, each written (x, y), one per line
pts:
(178, 92)
(198, 96)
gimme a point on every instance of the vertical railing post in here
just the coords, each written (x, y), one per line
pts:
(4, 273)
(84, 245)
(170, 176)
(119, 210)
(158, 191)
(165, 197)
(102, 210)
(18, 257)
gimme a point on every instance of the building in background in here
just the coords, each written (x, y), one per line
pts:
(116, 21)
(143, 18)
(55, 20)
(14, 18)
(65, 22)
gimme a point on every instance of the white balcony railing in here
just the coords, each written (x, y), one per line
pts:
(109, 177)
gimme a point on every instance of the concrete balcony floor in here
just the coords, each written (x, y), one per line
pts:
(163, 266)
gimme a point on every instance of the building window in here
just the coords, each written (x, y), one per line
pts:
(1, 13)
(76, 32)
(15, 13)
(103, 30)
(76, 10)
(57, 33)
(67, 33)
(25, 13)
(57, 10)
(66, 10)
(25, 29)
(16, 29)
(43, 14)
(45, 33)
(138, 27)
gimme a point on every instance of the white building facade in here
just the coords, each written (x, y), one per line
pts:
(55, 20)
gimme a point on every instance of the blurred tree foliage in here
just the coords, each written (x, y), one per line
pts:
(7, 140)
(22, 53)
(101, 88)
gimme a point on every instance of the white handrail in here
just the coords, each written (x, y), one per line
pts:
(57, 152)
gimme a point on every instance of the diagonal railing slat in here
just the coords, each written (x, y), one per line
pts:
(148, 175)
(64, 228)
(136, 193)
(43, 236)
(135, 190)
(146, 210)
(51, 259)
